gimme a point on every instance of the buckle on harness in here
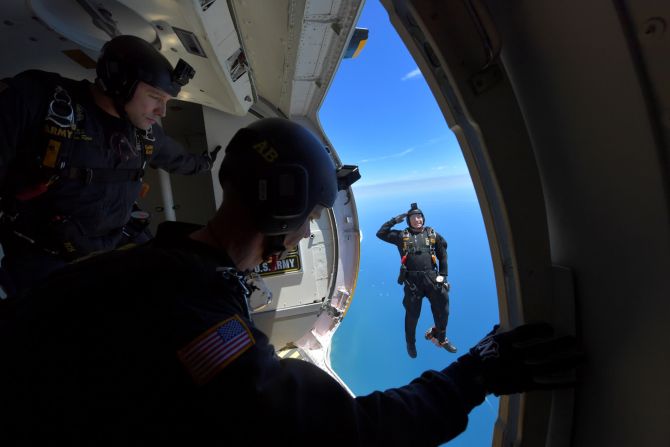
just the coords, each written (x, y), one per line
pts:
(60, 110)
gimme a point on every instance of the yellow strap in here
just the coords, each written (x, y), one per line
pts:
(51, 154)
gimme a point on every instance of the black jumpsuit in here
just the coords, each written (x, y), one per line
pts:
(420, 280)
(96, 356)
(69, 172)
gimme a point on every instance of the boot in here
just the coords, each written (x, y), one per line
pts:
(431, 333)
(446, 344)
(411, 350)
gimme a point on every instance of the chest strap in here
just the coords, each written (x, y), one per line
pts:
(408, 242)
(61, 113)
(104, 175)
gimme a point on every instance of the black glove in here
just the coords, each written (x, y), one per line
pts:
(399, 218)
(523, 359)
(211, 156)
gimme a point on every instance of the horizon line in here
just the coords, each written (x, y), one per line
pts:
(453, 180)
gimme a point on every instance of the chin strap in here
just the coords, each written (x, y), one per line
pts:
(116, 102)
(119, 106)
(274, 245)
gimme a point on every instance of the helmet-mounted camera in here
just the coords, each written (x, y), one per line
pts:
(182, 73)
(346, 176)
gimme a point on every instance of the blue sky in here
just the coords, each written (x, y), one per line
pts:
(382, 91)
(380, 115)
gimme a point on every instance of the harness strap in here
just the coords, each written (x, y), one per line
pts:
(405, 244)
(146, 150)
(432, 239)
(104, 175)
(110, 175)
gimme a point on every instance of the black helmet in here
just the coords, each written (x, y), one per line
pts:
(126, 60)
(413, 209)
(281, 171)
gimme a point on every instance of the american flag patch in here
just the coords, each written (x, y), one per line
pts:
(215, 349)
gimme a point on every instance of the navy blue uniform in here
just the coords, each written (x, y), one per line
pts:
(70, 172)
(101, 355)
(420, 279)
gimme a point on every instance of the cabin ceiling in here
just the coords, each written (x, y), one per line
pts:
(292, 47)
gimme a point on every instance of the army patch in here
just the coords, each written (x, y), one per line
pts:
(215, 349)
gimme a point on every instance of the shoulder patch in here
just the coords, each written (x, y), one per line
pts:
(215, 349)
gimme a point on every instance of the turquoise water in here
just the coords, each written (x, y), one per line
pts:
(369, 347)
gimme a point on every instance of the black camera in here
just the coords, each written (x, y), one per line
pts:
(346, 176)
(182, 73)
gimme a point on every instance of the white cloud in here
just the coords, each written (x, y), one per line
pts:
(385, 157)
(412, 74)
(419, 183)
(440, 139)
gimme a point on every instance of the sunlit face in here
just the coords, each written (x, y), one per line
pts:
(292, 239)
(416, 221)
(146, 106)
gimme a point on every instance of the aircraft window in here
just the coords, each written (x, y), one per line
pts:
(406, 154)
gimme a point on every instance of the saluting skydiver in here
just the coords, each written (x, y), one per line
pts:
(423, 271)
(73, 154)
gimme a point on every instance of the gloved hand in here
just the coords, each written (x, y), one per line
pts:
(399, 218)
(523, 359)
(211, 156)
